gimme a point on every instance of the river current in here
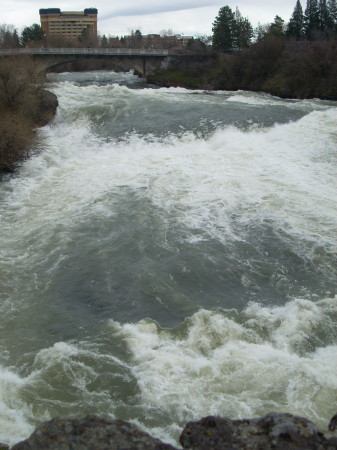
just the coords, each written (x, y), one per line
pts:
(168, 254)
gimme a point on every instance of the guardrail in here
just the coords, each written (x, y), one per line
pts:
(85, 51)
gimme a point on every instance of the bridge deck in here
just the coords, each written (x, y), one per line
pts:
(86, 51)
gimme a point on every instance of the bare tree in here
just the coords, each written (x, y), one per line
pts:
(9, 37)
(21, 97)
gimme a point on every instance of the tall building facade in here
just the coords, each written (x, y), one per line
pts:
(69, 24)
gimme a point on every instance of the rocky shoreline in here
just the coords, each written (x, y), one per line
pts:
(275, 431)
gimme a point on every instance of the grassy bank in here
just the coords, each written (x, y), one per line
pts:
(289, 69)
(24, 105)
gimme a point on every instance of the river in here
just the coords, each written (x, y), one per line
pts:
(168, 254)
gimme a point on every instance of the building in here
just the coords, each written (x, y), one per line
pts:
(69, 24)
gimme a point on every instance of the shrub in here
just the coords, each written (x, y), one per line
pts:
(21, 99)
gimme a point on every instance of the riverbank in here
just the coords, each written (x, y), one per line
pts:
(24, 106)
(287, 69)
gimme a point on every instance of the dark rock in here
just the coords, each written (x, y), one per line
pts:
(274, 431)
(91, 433)
(3, 446)
(333, 423)
(47, 105)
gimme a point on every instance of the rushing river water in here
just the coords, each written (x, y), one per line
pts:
(170, 254)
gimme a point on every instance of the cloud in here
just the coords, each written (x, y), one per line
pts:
(149, 8)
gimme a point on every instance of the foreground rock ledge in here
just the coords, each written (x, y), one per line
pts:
(274, 431)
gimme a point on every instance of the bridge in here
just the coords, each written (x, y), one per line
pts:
(144, 61)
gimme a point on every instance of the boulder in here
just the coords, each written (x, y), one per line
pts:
(47, 104)
(273, 431)
(90, 432)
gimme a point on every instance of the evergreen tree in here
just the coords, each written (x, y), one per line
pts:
(224, 30)
(311, 19)
(332, 9)
(32, 33)
(104, 42)
(277, 27)
(16, 39)
(324, 18)
(295, 25)
(243, 31)
(135, 39)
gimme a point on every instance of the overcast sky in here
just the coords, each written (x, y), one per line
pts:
(189, 17)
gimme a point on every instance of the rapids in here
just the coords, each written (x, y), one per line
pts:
(168, 254)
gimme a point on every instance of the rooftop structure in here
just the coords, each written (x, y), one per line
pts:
(69, 24)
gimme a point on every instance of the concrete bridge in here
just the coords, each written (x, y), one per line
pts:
(144, 61)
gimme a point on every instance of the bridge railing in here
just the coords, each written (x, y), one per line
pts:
(85, 51)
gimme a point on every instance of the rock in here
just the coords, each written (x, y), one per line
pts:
(333, 423)
(271, 432)
(274, 431)
(46, 110)
(92, 433)
(3, 446)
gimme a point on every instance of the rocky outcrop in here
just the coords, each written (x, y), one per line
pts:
(91, 432)
(47, 106)
(272, 432)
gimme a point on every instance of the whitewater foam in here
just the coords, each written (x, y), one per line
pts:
(169, 224)
(215, 364)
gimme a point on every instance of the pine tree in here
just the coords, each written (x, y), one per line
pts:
(324, 18)
(32, 33)
(224, 30)
(243, 31)
(277, 26)
(311, 19)
(295, 25)
(332, 10)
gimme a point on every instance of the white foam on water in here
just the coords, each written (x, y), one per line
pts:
(223, 363)
(59, 383)
(280, 173)
(284, 174)
(263, 99)
(237, 368)
(14, 425)
(237, 365)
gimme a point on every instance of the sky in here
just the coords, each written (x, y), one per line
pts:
(119, 18)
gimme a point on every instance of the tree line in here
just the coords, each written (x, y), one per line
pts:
(231, 31)
(293, 60)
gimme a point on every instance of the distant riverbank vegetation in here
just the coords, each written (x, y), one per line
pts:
(24, 105)
(294, 60)
(288, 69)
